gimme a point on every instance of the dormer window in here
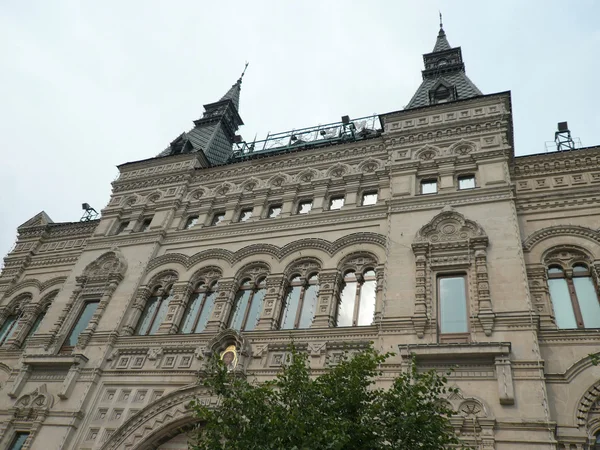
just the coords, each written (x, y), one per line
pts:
(442, 62)
(442, 94)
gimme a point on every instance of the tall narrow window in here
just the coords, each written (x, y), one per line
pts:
(429, 186)
(245, 214)
(452, 297)
(574, 297)
(199, 308)
(8, 328)
(81, 324)
(18, 441)
(248, 305)
(122, 226)
(300, 302)
(357, 305)
(154, 312)
(217, 218)
(37, 322)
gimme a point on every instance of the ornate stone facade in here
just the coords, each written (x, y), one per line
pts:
(523, 381)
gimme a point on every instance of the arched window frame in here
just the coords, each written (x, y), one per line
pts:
(205, 293)
(569, 270)
(361, 277)
(163, 296)
(304, 281)
(13, 314)
(257, 288)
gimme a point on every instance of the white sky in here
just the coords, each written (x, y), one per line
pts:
(85, 86)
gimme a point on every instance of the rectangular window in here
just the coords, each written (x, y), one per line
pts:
(429, 186)
(217, 218)
(245, 214)
(124, 224)
(190, 222)
(369, 198)
(452, 297)
(82, 322)
(336, 202)
(18, 441)
(466, 182)
(274, 211)
(145, 226)
(304, 206)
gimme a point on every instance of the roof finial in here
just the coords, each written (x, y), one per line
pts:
(242, 75)
(441, 24)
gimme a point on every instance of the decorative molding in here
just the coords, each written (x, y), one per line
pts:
(560, 230)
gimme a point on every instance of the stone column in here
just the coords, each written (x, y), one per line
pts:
(352, 184)
(320, 190)
(142, 296)
(486, 313)
(379, 311)
(327, 299)
(272, 303)
(288, 203)
(220, 315)
(230, 207)
(419, 317)
(506, 390)
(177, 305)
(26, 321)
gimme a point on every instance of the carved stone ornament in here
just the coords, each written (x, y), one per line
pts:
(30, 406)
(448, 226)
(427, 153)
(108, 265)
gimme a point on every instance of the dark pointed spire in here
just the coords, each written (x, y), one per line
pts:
(234, 91)
(444, 77)
(441, 43)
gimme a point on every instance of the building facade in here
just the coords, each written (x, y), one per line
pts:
(418, 230)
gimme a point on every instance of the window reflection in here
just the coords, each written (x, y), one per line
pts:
(247, 305)
(369, 198)
(154, 312)
(199, 308)
(300, 302)
(453, 304)
(574, 297)
(7, 329)
(82, 322)
(429, 186)
(357, 302)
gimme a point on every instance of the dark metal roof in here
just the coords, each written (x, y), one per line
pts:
(465, 88)
(441, 43)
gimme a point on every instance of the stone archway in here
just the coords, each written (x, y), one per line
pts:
(160, 421)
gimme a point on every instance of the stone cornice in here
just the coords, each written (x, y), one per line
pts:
(438, 201)
(584, 159)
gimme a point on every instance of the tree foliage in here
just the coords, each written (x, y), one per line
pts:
(338, 410)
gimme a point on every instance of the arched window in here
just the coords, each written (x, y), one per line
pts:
(155, 311)
(247, 305)
(300, 302)
(38, 321)
(574, 296)
(596, 444)
(8, 328)
(199, 307)
(357, 302)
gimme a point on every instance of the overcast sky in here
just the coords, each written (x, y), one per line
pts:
(85, 86)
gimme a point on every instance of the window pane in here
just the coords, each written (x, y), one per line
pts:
(122, 227)
(191, 312)
(84, 319)
(217, 219)
(37, 323)
(561, 301)
(144, 322)
(291, 308)
(369, 198)
(453, 305)
(274, 211)
(245, 215)
(160, 315)
(366, 309)
(588, 301)
(255, 309)
(18, 441)
(346, 308)
(304, 207)
(336, 203)
(579, 268)
(555, 271)
(7, 328)
(428, 186)
(241, 303)
(207, 308)
(146, 224)
(309, 306)
(466, 182)
(191, 221)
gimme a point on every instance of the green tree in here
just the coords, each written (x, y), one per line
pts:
(338, 410)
